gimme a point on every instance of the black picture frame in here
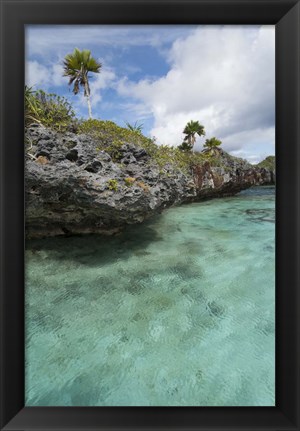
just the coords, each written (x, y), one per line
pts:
(285, 14)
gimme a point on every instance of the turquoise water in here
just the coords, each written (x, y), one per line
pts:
(177, 311)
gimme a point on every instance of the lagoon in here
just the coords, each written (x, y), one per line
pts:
(179, 310)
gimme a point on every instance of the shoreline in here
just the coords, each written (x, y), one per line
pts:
(74, 188)
(124, 229)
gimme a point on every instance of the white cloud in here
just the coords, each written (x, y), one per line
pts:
(98, 83)
(222, 76)
(253, 145)
(38, 75)
(60, 38)
(57, 75)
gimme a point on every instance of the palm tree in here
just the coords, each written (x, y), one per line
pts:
(192, 129)
(212, 143)
(184, 146)
(77, 67)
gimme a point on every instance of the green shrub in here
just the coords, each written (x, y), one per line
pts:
(50, 110)
(136, 127)
(55, 112)
(110, 137)
(185, 146)
(112, 185)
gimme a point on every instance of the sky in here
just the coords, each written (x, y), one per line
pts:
(164, 76)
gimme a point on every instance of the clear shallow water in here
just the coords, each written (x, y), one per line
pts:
(178, 311)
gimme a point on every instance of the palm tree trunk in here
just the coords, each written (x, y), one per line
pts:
(193, 141)
(87, 92)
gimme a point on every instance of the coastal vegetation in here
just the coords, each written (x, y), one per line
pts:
(212, 143)
(96, 176)
(51, 110)
(136, 127)
(267, 163)
(48, 109)
(192, 129)
(55, 112)
(110, 137)
(77, 67)
(112, 184)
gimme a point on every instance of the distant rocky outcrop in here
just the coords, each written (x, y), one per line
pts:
(73, 188)
(268, 163)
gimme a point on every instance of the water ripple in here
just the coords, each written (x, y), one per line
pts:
(178, 311)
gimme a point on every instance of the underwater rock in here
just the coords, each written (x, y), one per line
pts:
(215, 309)
(261, 215)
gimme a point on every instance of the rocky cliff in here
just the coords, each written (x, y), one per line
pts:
(73, 187)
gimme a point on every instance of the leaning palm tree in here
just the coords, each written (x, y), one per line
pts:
(77, 67)
(192, 129)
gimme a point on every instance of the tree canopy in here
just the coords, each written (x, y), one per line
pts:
(191, 129)
(212, 143)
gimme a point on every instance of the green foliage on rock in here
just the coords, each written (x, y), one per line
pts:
(185, 146)
(110, 137)
(112, 185)
(107, 132)
(267, 163)
(48, 109)
(136, 127)
(55, 112)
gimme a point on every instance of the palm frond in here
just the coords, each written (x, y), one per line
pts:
(85, 56)
(71, 80)
(93, 65)
(76, 87)
(80, 61)
(194, 127)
